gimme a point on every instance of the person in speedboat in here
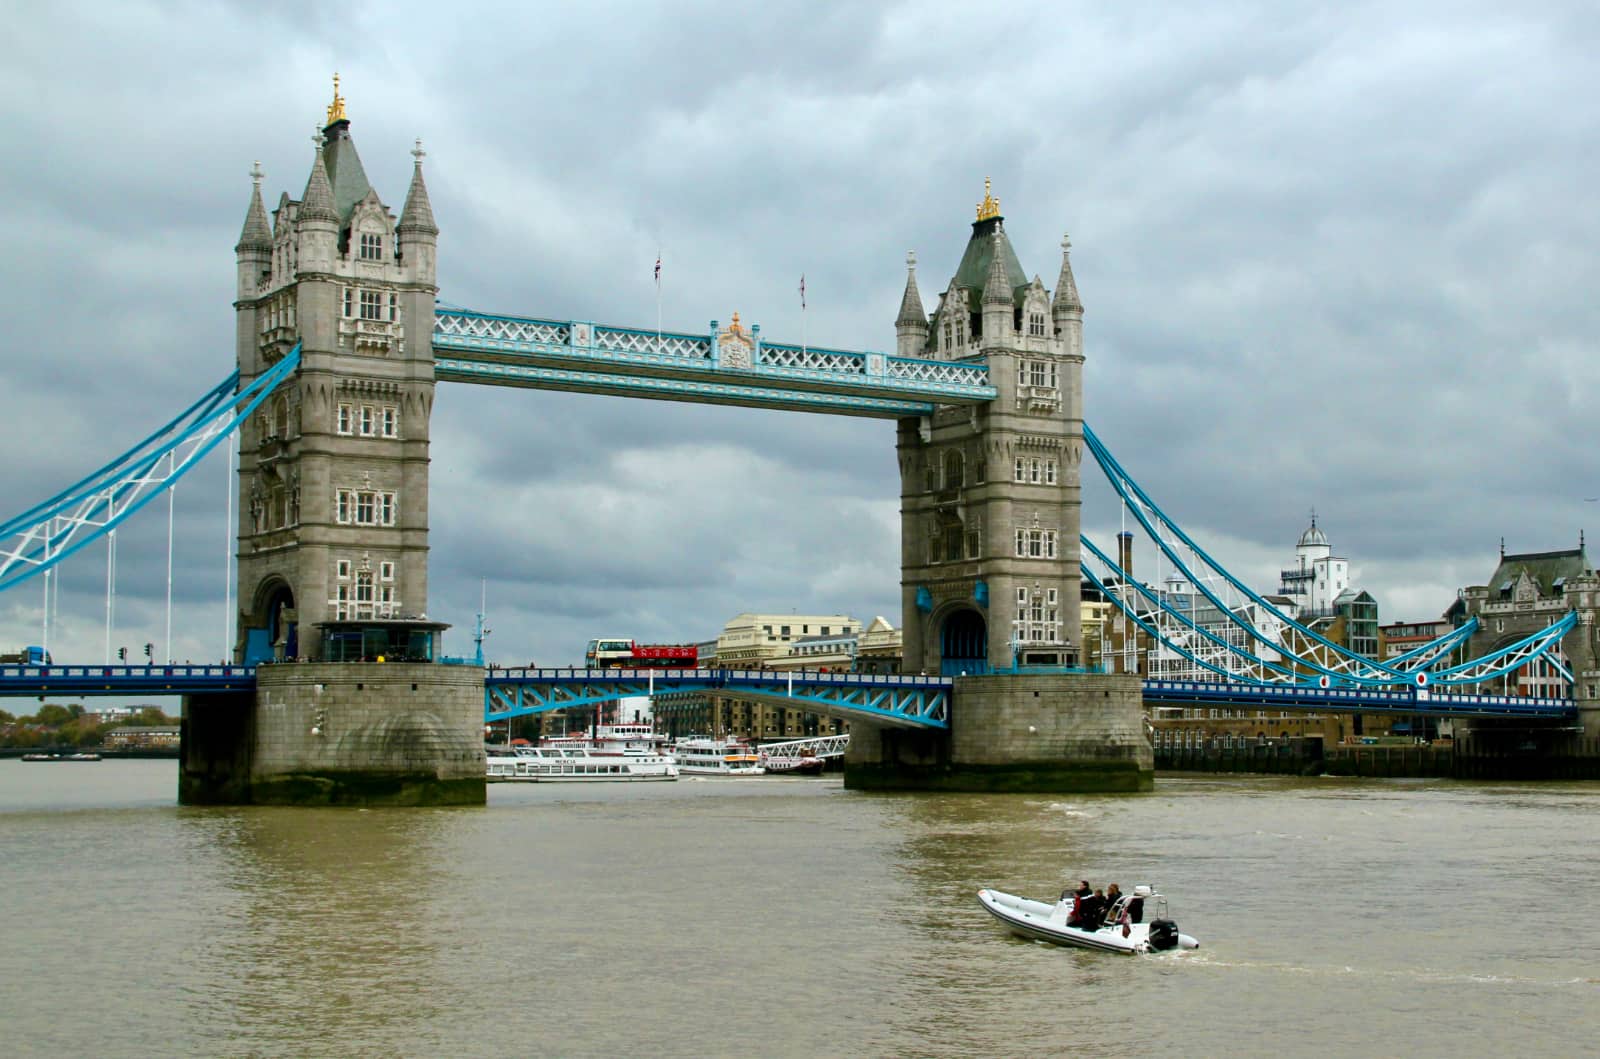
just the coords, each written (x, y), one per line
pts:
(1091, 910)
(1076, 897)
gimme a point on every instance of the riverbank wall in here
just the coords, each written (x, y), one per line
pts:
(1579, 760)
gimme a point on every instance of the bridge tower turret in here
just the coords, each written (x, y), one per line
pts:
(333, 473)
(990, 496)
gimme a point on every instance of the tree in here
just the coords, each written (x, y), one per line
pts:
(51, 715)
(151, 715)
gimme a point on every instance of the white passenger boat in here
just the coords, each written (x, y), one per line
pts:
(717, 757)
(576, 764)
(1126, 931)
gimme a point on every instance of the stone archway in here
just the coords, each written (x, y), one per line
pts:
(270, 629)
(963, 643)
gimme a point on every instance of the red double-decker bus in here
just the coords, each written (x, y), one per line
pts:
(625, 654)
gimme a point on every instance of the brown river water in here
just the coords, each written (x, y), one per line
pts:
(790, 917)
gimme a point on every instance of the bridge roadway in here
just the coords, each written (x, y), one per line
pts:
(904, 701)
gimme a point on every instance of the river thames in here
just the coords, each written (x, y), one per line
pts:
(789, 917)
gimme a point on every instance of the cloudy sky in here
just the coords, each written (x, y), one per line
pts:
(1333, 256)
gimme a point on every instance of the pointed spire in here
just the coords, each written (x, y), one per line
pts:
(912, 313)
(417, 216)
(257, 235)
(317, 203)
(1066, 299)
(997, 289)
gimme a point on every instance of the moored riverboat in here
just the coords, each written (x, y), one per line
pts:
(701, 756)
(1124, 928)
(80, 756)
(576, 764)
(792, 764)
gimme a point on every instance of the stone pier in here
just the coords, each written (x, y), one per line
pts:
(365, 734)
(1046, 733)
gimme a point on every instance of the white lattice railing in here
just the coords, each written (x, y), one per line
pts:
(619, 340)
(829, 360)
(468, 331)
(933, 371)
(499, 330)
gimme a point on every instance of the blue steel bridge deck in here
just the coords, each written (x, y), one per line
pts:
(159, 680)
(1400, 699)
(496, 350)
(898, 701)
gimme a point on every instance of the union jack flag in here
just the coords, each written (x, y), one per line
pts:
(802, 290)
(658, 270)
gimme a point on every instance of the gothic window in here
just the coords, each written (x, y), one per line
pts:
(933, 548)
(371, 305)
(394, 307)
(931, 475)
(1036, 324)
(342, 603)
(349, 302)
(280, 416)
(391, 422)
(364, 588)
(343, 504)
(365, 508)
(1036, 544)
(342, 569)
(961, 333)
(346, 415)
(371, 247)
(386, 571)
(386, 508)
(1049, 472)
(954, 538)
(294, 506)
(367, 420)
(953, 469)
(972, 544)
(948, 339)
(1033, 472)
(1019, 474)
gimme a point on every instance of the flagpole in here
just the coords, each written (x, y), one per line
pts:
(802, 314)
(658, 299)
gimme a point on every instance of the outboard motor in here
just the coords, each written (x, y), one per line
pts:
(1163, 935)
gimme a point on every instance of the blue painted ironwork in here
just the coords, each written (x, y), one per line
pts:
(574, 355)
(1347, 667)
(45, 534)
(16, 681)
(1301, 697)
(900, 701)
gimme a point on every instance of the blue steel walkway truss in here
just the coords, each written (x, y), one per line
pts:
(666, 365)
(895, 701)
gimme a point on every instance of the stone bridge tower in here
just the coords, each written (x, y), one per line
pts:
(989, 496)
(333, 473)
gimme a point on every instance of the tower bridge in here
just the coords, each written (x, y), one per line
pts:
(340, 344)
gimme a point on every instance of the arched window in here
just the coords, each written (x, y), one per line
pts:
(954, 469)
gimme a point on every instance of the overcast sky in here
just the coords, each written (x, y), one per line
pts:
(1334, 256)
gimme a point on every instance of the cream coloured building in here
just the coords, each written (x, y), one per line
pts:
(752, 641)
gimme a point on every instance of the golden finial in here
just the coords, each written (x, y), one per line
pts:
(990, 206)
(336, 108)
(734, 327)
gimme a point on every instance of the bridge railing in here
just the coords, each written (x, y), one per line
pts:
(465, 330)
(714, 677)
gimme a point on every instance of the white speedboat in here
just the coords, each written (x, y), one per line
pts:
(576, 764)
(699, 756)
(1126, 930)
